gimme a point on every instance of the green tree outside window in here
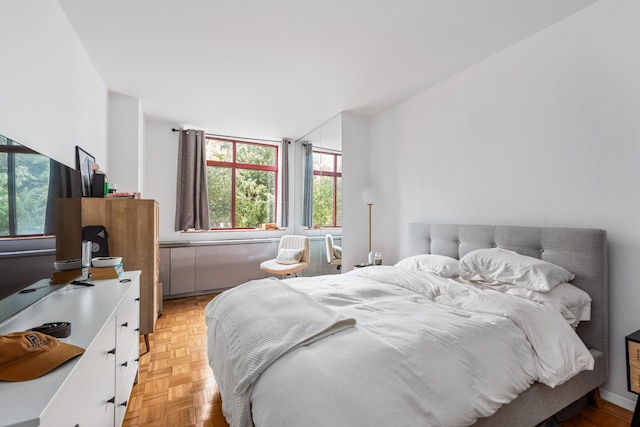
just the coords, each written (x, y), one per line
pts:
(327, 189)
(241, 183)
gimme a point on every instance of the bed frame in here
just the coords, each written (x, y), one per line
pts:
(581, 251)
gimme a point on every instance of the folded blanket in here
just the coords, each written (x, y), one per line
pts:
(254, 324)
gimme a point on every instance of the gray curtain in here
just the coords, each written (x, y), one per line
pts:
(284, 214)
(307, 202)
(192, 206)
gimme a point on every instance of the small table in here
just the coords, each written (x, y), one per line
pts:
(633, 371)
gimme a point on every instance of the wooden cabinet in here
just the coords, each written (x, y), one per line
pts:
(94, 388)
(133, 230)
(633, 371)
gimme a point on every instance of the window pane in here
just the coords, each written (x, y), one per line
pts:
(323, 162)
(221, 151)
(241, 193)
(32, 189)
(220, 195)
(339, 167)
(4, 194)
(323, 200)
(256, 154)
(255, 197)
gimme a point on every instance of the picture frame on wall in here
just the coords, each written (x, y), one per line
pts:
(84, 163)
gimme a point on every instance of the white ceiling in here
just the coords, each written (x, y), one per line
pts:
(279, 68)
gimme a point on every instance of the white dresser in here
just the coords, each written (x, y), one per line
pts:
(90, 390)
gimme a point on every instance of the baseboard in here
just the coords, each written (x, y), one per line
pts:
(616, 399)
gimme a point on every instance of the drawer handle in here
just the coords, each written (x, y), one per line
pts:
(125, 324)
(112, 351)
(137, 359)
(137, 329)
(137, 299)
(124, 403)
(112, 400)
(125, 364)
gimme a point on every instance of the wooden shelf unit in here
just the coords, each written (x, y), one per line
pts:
(133, 229)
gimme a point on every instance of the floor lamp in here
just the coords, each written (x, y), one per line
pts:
(369, 197)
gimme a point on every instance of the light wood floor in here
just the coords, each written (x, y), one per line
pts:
(176, 387)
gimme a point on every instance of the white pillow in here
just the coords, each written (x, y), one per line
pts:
(289, 256)
(438, 264)
(572, 302)
(497, 265)
(337, 251)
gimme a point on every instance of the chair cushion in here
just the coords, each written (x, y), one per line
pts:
(271, 266)
(337, 251)
(289, 256)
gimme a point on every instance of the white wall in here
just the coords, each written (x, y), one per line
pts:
(161, 158)
(545, 133)
(126, 143)
(355, 178)
(52, 98)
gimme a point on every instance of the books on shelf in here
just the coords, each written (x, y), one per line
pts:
(97, 273)
(124, 195)
(101, 273)
(62, 277)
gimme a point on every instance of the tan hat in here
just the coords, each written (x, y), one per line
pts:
(28, 355)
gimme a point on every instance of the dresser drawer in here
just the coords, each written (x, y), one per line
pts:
(634, 353)
(83, 398)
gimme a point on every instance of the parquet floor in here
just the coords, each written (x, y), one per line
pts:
(176, 387)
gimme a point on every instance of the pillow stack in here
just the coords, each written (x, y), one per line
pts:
(511, 273)
(497, 265)
(441, 265)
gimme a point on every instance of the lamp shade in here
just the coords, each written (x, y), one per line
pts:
(369, 196)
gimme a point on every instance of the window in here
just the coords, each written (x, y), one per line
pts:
(242, 183)
(327, 189)
(24, 186)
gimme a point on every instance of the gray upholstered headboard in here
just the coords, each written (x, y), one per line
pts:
(581, 251)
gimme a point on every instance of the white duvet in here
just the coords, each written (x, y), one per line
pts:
(425, 351)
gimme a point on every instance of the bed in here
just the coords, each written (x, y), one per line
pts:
(413, 352)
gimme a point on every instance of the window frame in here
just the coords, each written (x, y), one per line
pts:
(234, 166)
(332, 174)
(12, 148)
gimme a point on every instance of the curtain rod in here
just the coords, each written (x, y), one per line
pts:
(319, 148)
(232, 137)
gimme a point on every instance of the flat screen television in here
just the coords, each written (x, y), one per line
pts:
(39, 198)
